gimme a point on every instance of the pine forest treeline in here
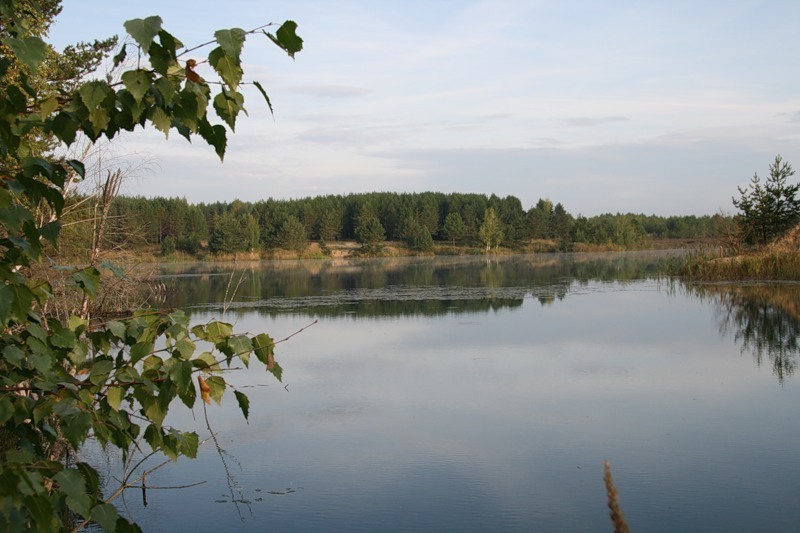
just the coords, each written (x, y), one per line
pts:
(419, 219)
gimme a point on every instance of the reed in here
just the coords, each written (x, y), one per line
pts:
(768, 265)
(617, 518)
(778, 261)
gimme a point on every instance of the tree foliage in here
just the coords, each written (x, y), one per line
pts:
(64, 380)
(767, 210)
(234, 233)
(491, 232)
(454, 228)
(293, 234)
(417, 236)
(141, 222)
(370, 234)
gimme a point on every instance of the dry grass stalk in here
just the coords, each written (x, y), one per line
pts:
(617, 518)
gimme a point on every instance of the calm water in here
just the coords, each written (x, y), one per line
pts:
(473, 395)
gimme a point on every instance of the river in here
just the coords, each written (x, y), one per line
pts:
(474, 394)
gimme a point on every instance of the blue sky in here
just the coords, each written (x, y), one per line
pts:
(614, 106)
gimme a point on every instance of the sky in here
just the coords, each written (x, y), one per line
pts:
(616, 106)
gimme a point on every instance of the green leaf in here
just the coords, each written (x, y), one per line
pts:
(62, 337)
(218, 331)
(43, 514)
(15, 302)
(264, 348)
(189, 396)
(78, 354)
(144, 30)
(116, 328)
(244, 403)
(166, 90)
(65, 127)
(13, 355)
(14, 216)
(17, 99)
(205, 361)
(106, 515)
(287, 39)
(6, 408)
(47, 106)
(114, 397)
(137, 82)
(169, 42)
(187, 110)
(50, 232)
(43, 409)
(73, 486)
(99, 118)
(231, 41)
(141, 349)
(77, 324)
(155, 412)
(120, 56)
(160, 120)
(239, 345)
(181, 375)
(37, 331)
(88, 279)
(98, 97)
(227, 66)
(32, 238)
(34, 166)
(215, 136)
(184, 349)
(29, 50)
(94, 93)
(228, 104)
(276, 371)
(217, 386)
(161, 59)
(152, 435)
(188, 442)
(153, 362)
(100, 371)
(90, 476)
(264, 93)
(76, 427)
(77, 166)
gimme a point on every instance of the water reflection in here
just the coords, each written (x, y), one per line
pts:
(764, 321)
(498, 420)
(397, 286)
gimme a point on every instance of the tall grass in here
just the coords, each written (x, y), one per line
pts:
(769, 265)
(778, 261)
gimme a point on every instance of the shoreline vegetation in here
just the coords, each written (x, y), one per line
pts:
(777, 261)
(708, 260)
(381, 223)
(760, 242)
(350, 249)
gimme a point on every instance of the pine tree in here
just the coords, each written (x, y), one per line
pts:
(768, 210)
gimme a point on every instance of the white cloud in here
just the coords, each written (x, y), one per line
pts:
(604, 106)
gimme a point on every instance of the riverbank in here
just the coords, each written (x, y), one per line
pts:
(779, 261)
(347, 249)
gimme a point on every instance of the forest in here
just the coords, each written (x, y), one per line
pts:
(420, 220)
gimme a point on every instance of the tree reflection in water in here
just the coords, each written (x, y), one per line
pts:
(427, 286)
(764, 320)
